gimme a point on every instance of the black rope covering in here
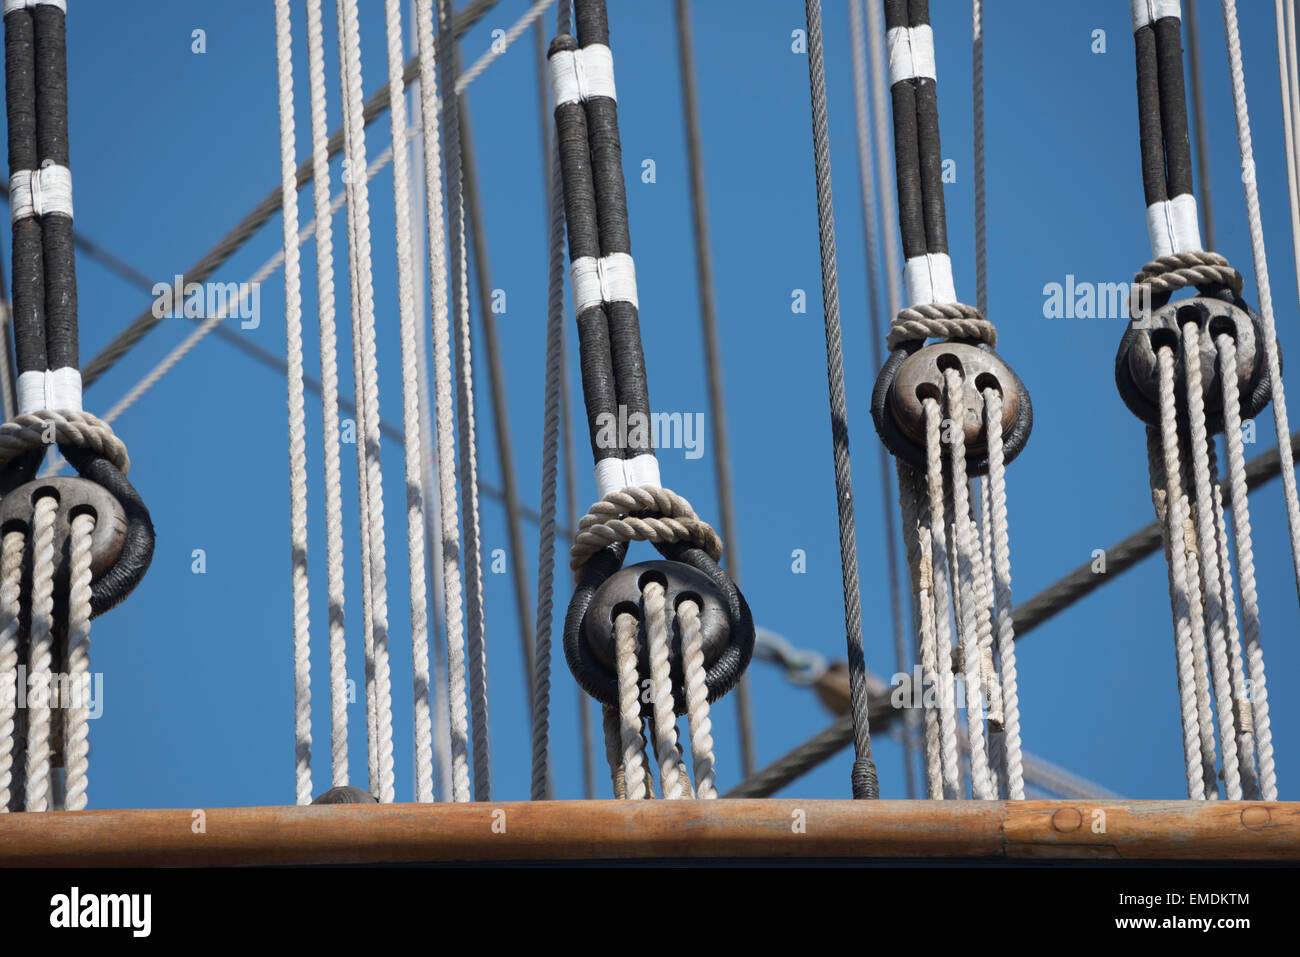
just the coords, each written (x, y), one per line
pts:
(612, 361)
(44, 270)
(922, 224)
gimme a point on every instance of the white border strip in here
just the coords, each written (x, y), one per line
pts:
(911, 53)
(615, 474)
(58, 390)
(611, 278)
(1149, 11)
(579, 75)
(929, 279)
(40, 192)
(1173, 226)
(12, 5)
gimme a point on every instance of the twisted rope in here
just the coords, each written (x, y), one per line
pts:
(1227, 351)
(297, 409)
(41, 429)
(661, 689)
(1211, 578)
(641, 514)
(11, 577)
(1006, 633)
(329, 396)
(629, 707)
(940, 320)
(430, 77)
(41, 655)
(76, 714)
(1259, 256)
(1177, 271)
(916, 537)
(943, 611)
(697, 699)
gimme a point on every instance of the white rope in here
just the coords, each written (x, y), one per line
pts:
(76, 728)
(974, 610)
(297, 410)
(629, 707)
(11, 576)
(697, 699)
(1227, 352)
(1259, 256)
(661, 689)
(364, 350)
(41, 655)
(412, 439)
(329, 396)
(472, 569)
(436, 225)
(1286, 57)
(1167, 495)
(1239, 703)
(943, 611)
(1006, 631)
(1196, 601)
(1211, 579)
(917, 540)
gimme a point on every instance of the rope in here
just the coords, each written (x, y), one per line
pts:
(1163, 455)
(11, 577)
(629, 707)
(647, 514)
(329, 398)
(712, 350)
(954, 320)
(476, 648)
(1211, 578)
(411, 358)
(40, 669)
(864, 780)
(451, 578)
(297, 412)
(869, 220)
(76, 734)
(364, 353)
(1259, 256)
(1290, 83)
(661, 690)
(916, 537)
(500, 406)
(697, 699)
(541, 685)
(974, 605)
(1202, 134)
(995, 484)
(943, 625)
(1227, 353)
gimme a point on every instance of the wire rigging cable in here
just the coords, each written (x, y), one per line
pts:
(619, 622)
(949, 411)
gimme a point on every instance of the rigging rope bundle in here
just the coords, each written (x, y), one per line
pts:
(950, 411)
(1190, 369)
(73, 547)
(682, 626)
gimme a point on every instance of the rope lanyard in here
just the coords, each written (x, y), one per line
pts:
(611, 659)
(950, 411)
(1190, 369)
(87, 540)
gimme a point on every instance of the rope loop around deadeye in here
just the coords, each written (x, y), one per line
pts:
(99, 456)
(666, 520)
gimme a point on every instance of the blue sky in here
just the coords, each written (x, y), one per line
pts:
(170, 148)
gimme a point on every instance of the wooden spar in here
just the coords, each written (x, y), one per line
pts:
(595, 830)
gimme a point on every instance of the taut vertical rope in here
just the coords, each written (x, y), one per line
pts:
(11, 578)
(76, 713)
(40, 668)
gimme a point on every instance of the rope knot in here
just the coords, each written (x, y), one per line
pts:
(940, 320)
(641, 514)
(1167, 274)
(41, 429)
